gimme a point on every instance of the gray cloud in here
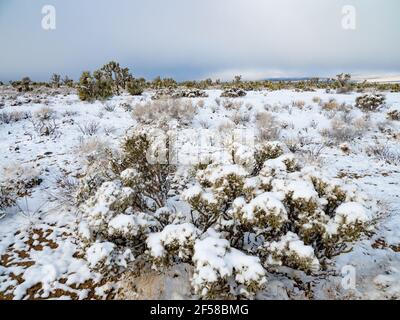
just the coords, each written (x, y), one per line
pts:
(199, 38)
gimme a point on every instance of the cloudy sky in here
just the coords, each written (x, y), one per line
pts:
(200, 38)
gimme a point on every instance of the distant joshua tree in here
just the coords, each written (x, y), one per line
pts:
(55, 80)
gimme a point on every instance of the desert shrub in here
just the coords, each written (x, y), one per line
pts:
(394, 114)
(268, 127)
(177, 94)
(299, 104)
(68, 82)
(92, 149)
(44, 121)
(45, 113)
(344, 127)
(230, 104)
(24, 85)
(89, 128)
(370, 102)
(159, 83)
(385, 153)
(334, 106)
(109, 107)
(240, 118)
(13, 116)
(233, 93)
(281, 198)
(163, 111)
(134, 87)
(7, 198)
(55, 80)
(281, 215)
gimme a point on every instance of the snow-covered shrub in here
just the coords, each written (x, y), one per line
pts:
(105, 256)
(292, 252)
(257, 208)
(224, 272)
(174, 241)
(370, 101)
(190, 93)
(233, 93)
(176, 94)
(126, 202)
(394, 114)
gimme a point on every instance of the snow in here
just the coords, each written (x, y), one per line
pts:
(122, 223)
(266, 202)
(351, 212)
(183, 234)
(291, 244)
(99, 253)
(303, 190)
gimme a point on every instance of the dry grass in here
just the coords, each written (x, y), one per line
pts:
(227, 126)
(344, 128)
(230, 104)
(45, 114)
(384, 153)
(13, 116)
(267, 126)
(299, 104)
(333, 105)
(240, 118)
(162, 111)
(92, 149)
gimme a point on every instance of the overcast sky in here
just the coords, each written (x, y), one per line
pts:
(195, 39)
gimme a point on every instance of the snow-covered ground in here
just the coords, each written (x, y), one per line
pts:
(40, 256)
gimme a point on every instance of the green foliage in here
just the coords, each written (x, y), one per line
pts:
(135, 87)
(166, 83)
